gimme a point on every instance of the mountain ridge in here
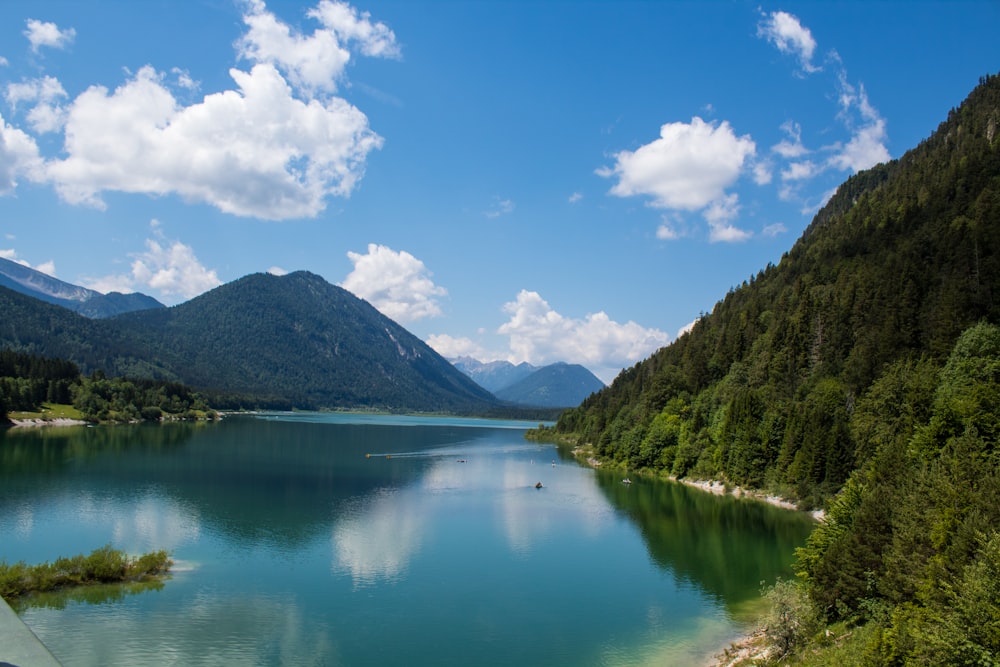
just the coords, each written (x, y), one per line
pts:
(83, 300)
(292, 341)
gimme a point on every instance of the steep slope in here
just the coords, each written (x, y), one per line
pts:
(300, 337)
(902, 259)
(557, 385)
(294, 340)
(85, 301)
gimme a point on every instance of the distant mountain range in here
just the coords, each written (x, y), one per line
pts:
(558, 385)
(87, 302)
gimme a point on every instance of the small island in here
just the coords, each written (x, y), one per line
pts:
(103, 566)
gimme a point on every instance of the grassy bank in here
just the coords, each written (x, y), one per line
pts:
(102, 566)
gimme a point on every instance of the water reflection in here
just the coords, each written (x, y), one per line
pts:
(243, 630)
(376, 539)
(724, 545)
(308, 538)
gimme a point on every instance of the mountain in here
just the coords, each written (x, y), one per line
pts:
(293, 340)
(494, 375)
(557, 385)
(85, 301)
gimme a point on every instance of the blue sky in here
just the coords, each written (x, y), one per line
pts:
(531, 181)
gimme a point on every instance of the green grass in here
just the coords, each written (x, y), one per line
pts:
(103, 565)
(50, 411)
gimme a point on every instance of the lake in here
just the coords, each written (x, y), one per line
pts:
(336, 539)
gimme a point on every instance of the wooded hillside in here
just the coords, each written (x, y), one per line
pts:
(863, 371)
(764, 390)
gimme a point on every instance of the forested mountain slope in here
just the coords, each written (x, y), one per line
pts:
(766, 389)
(288, 341)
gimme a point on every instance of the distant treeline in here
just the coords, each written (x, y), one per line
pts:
(28, 381)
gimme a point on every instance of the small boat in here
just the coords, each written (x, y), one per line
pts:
(538, 485)
(626, 481)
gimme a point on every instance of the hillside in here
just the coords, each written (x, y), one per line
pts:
(557, 385)
(293, 340)
(85, 301)
(862, 373)
(902, 259)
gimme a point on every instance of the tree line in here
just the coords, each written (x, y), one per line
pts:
(28, 381)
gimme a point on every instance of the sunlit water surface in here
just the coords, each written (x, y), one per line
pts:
(331, 539)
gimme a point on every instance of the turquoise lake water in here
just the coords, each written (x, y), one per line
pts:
(334, 539)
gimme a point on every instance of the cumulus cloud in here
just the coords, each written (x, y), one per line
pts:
(18, 157)
(316, 62)
(540, 335)
(275, 146)
(40, 33)
(790, 37)
(689, 166)
(169, 268)
(453, 347)
(866, 148)
(791, 147)
(256, 151)
(44, 95)
(720, 215)
(396, 283)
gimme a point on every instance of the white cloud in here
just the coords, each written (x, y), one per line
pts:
(314, 63)
(540, 335)
(798, 171)
(266, 148)
(256, 151)
(762, 174)
(41, 34)
(688, 167)
(791, 147)
(774, 229)
(277, 271)
(451, 347)
(396, 283)
(169, 268)
(686, 328)
(866, 147)
(46, 114)
(667, 231)
(500, 207)
(719, 216)
(18, 157)
(48, 268)
(789, 36)
(575, 197)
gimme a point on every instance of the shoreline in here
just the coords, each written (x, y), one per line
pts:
(717, 488)
(714, 487)
(62, 421)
